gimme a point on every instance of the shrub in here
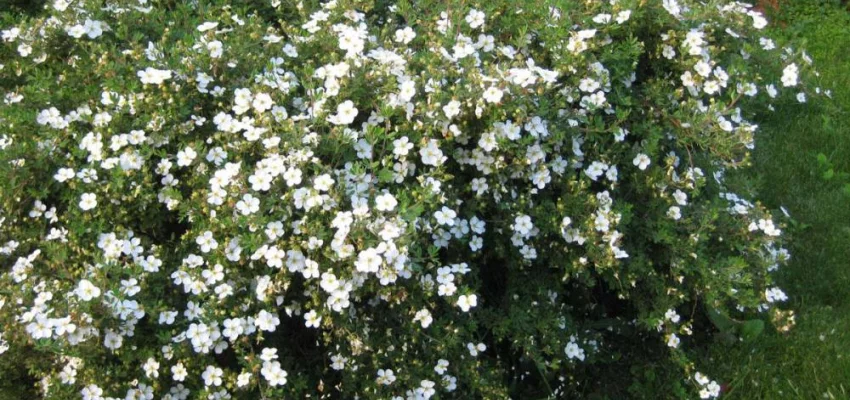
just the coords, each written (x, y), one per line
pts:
(353, 198)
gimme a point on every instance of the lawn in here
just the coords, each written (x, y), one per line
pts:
(813, 360)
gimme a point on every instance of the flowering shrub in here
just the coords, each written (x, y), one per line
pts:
(353, 198)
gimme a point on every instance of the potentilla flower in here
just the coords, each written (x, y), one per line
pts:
(206, 242)
(424, 318)
(345, 113)
(338, 362)
(112, 340)
(248, 205)
(790, 75)
(312, 319)
(451, 109)
(88, 201)
(672, 316)
(673, 341)
(262, 102)
(465, 302)
(215, 48)
(595, 170)
(674, 213)
(493, 94)
(385, 202)
(445, 216)
(426, 389)
(243, 379)
(774, 294)
(475, 18)
(266, 321)
(153, 76)
(179, 372)
(572, 350)
(522, 225)
(323, 182)
(368, 260)
(431, 154)
(151, 368)
(186, 156)
(273, 373)
(641, 161)
(386, 377)
(212, 376)
(405, 35)
(206, 26)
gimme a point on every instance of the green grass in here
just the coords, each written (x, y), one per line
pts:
(813, 360)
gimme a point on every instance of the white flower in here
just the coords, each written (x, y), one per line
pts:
(672, 316)
(775, 294)
(442, 364)
(266, 321)
(178, 372)
(186, 156)
(215, 48)
(445, 216)
(385, 377)
(312, 319)
(153, 76)
(790, 75)
(243, 379)
(248, 205)
(522, 225)
(595, 170)
(674, 213)
(759, 22)
(86, 290)
(493, 94)
(641, 161)
(368, 261)
(212, 376)
(75, 31)
(323, 182)
(465, 302)
(88, 201)
(262, 102)
(452, 109)
(405, 35)
(475, 18)
(207, 26)
(112, 340)
(273, 373)
(673, 341)
(92, 392)
(345, 113)
(572, 350)
(424, 318)
(425, 390)
(431, 154)
(206, 242)
(151, 368)
(385, 202)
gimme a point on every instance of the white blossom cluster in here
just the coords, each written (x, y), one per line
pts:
(348, 204)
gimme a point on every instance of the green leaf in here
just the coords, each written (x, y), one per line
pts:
(720, 320)
(385, 175)
(751, 329)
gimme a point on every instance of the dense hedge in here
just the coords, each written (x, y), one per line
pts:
(418, 199)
